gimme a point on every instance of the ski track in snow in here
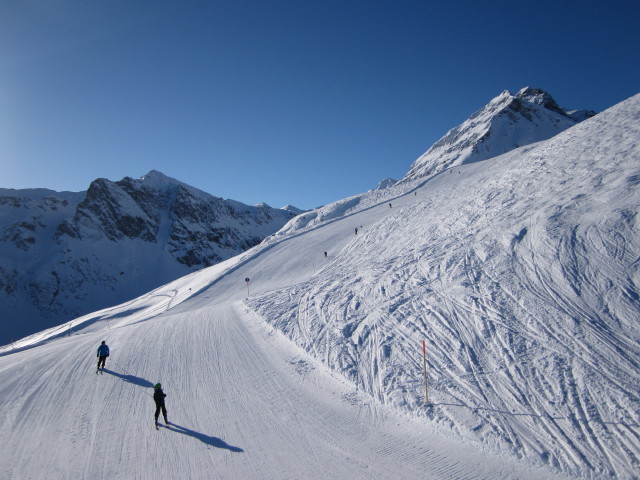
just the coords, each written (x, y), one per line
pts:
(520, 272)
(529, 315)
(242, 403)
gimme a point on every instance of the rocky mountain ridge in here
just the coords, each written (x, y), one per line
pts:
(507, 122)
(64, 254)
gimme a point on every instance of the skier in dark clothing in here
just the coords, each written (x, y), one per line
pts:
(158, 397)
(103, 353)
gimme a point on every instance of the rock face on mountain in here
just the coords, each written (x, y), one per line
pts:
(506, 123)
(63, 254)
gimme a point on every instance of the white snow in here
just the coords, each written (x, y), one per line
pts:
(66, 254)
(521, 273)
(505, 123)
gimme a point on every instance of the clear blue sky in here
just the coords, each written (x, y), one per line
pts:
(287, 102)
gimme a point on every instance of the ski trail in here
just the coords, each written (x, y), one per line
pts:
(236, 403)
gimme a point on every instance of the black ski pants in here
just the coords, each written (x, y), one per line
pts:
(160, 406)
(101, 361)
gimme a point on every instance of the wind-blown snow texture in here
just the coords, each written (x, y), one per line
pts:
(521, 272)
(64, 254)
(522, 275)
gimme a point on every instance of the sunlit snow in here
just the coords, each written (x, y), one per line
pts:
(520, 272)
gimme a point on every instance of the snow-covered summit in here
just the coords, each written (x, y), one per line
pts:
(386, 183)
(505, 123)
(159, 180)
(64, 254)
(292, 209)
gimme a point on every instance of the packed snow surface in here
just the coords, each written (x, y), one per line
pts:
(302, 358)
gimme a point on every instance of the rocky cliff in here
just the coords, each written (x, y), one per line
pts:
(63, 254)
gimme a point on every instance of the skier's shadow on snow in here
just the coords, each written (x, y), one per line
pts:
(213, 441)
(141, 382)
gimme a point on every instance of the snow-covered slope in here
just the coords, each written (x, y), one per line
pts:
(521, 273)
(507, 122)
(64, 254)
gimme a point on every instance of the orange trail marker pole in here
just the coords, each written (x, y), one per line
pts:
(426, 379)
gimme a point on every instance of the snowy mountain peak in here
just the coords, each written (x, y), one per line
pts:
(386, 183)
(158, 181)
(292, 209)
(505, 123)
(539, 97)
(65, 254)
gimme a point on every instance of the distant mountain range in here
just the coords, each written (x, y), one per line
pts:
(64, 254)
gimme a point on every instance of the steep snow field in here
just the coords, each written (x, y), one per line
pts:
(519, 272)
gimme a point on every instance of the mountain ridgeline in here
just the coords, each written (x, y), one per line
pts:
(506, 123)
(66, 254)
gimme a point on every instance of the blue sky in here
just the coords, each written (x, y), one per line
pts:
(284, 102)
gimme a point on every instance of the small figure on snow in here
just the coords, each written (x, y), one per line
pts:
(103, 353)
(325, 254)
(356, 230)
(158, 397)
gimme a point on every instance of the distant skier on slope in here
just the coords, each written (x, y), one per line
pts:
(103, 353)
(158, 397)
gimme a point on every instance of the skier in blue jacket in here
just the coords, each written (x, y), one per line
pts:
(103, 353)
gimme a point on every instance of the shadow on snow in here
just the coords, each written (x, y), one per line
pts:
(213, 441)
(141, 382)
(209, 440)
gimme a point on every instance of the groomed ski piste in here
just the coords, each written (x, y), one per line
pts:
(520, 273)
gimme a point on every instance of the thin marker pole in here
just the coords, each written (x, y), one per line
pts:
(426, 378)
